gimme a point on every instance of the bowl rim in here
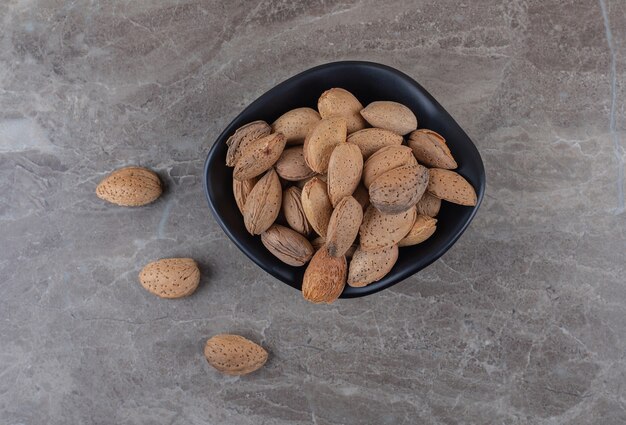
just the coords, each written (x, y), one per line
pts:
(403, 274)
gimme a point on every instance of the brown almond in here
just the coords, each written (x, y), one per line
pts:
(343, 226)
(259, 157)
(294, 212)
(391, 116)
(338, 101)
(234, 354)
(287, 245)
(263, 204)
(430, 148)
(370, 266)
(242, 138)
(384, 160)
(322, 140)
(428, 205)
(423, 229)
(316, 205)
(324, 278)
(451, 186)
(344, 172)
(370, 140)
(399, 189)
(241, 190)
(291, 166)
(130, 187)
(170, 277)
(296, 124)
(380, 230)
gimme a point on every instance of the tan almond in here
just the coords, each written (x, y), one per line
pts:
(430, 148)
(370, 140)
(344, 172)
(423, 229)
(263, 204)
(370, 266)
(234, 354)
(399, 189)
(324, 278)
(241, 190)
(322, 140)
(316, 205)
(130, 187)
(392, 116)
(296, 124)
(386, 159)
(287, 245)
(170, 277)
(362, 196)
(451, 186)
(343, 227)
(242, 138)
(291, 166)
(428, 205)
(380, 230)
(294, 212)
(338, 101)
(259, 157)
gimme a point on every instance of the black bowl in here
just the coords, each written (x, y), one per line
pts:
(368, 82)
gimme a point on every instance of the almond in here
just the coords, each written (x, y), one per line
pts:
(324, 278)
(130, 187)
(430, 148)
(263, 204)
(301, 183)
(259, 157)
(287, 245)
(293, 211)
(423, 229)
(384, 160)
(370, 140)
(242, 138)
(341, 102)
(362, 196)
(391, 116)
(296, 124)
(318, 242)
(380, 230)
(428, 205)
(316, 205)
(370, 266)
(170, 277)
(322, 140)
(343, 227)
(451, 186)
(241, 190)
(291, 166)
(399, 189)
(344, 172)
(234, 354)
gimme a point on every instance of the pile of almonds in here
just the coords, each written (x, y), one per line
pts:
(342, 183)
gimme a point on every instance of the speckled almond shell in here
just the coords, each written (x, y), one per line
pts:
(316, 205)
(451, 186)
(370, 266)
(294, 212)
(322, 140)
(391, 116)
(344, 172)
(423, 229)
(386, 159)
(259, 157)
(291, 165)
(296, 124)
(170, 277)
(234, 354)
(430, 148)
(399, 189)
(242, 138)
(428, 205)
(324, 278)
(343, 227)
(263, 204)
(338, 101)
(380, 230)
(130, 187)
(370, 140)
(287, 245)
(241, 190)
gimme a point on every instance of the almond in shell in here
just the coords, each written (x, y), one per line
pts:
(451, 186)
(399, 189)
(430, 148)
(380, 230)
(423, 229)
(370, 140)
(241, 190)
(259, 156)
(338, 101)
(343, 227)
(296, 124)
(234, 354)
(294, 212)
(391, 116)
(170, 277)
(242, 138)
(263, 204)
(370, 266)
(322, 140)
(428, 205)
(287, 245)
(384, 160)
(291, 166)
(316, 205)
(344, 172)
(130, 187)
(324, 278)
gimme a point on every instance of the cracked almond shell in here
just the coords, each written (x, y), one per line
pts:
(324, 277)
(451, 186)
(423, 229)
(386, 159)
(430, 148)
(343, 227)
(294, 212)
(380, 230)
(242, 138)
(316, 205)
(170, 277)
(130, 187)
(259, 156)
(392, 116)
(344, 172)
(291, 165)
(234, 354)
(287, 245)
(370, 266)
(399, 189)
(296, 124)
(370, 140)
(322, 140)
(338, 101)
(263, 204)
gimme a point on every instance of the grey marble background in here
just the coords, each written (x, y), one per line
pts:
(522, 322)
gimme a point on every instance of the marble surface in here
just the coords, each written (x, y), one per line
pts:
(523, 321)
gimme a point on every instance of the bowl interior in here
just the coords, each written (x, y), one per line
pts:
(368, 82)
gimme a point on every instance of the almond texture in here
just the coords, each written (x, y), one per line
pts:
(380, 230)
(296, 124)
(263, 204)
(370, 140)
(384, 160)
(430, 149)
(391, 116)
(343, 226)
(322, 140)
(242, 138)
(428, 205)
(399, 189)
(294, 212)
(130, 187)
(170, 277)
(259, 156)
(234, 354)
(451, 186)
(316, 205)
(291, 166)
(324, 278)
(370, 266)
(287, 245)
(423, 229)
(241, 190)
(344, 172)
(338, 101)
